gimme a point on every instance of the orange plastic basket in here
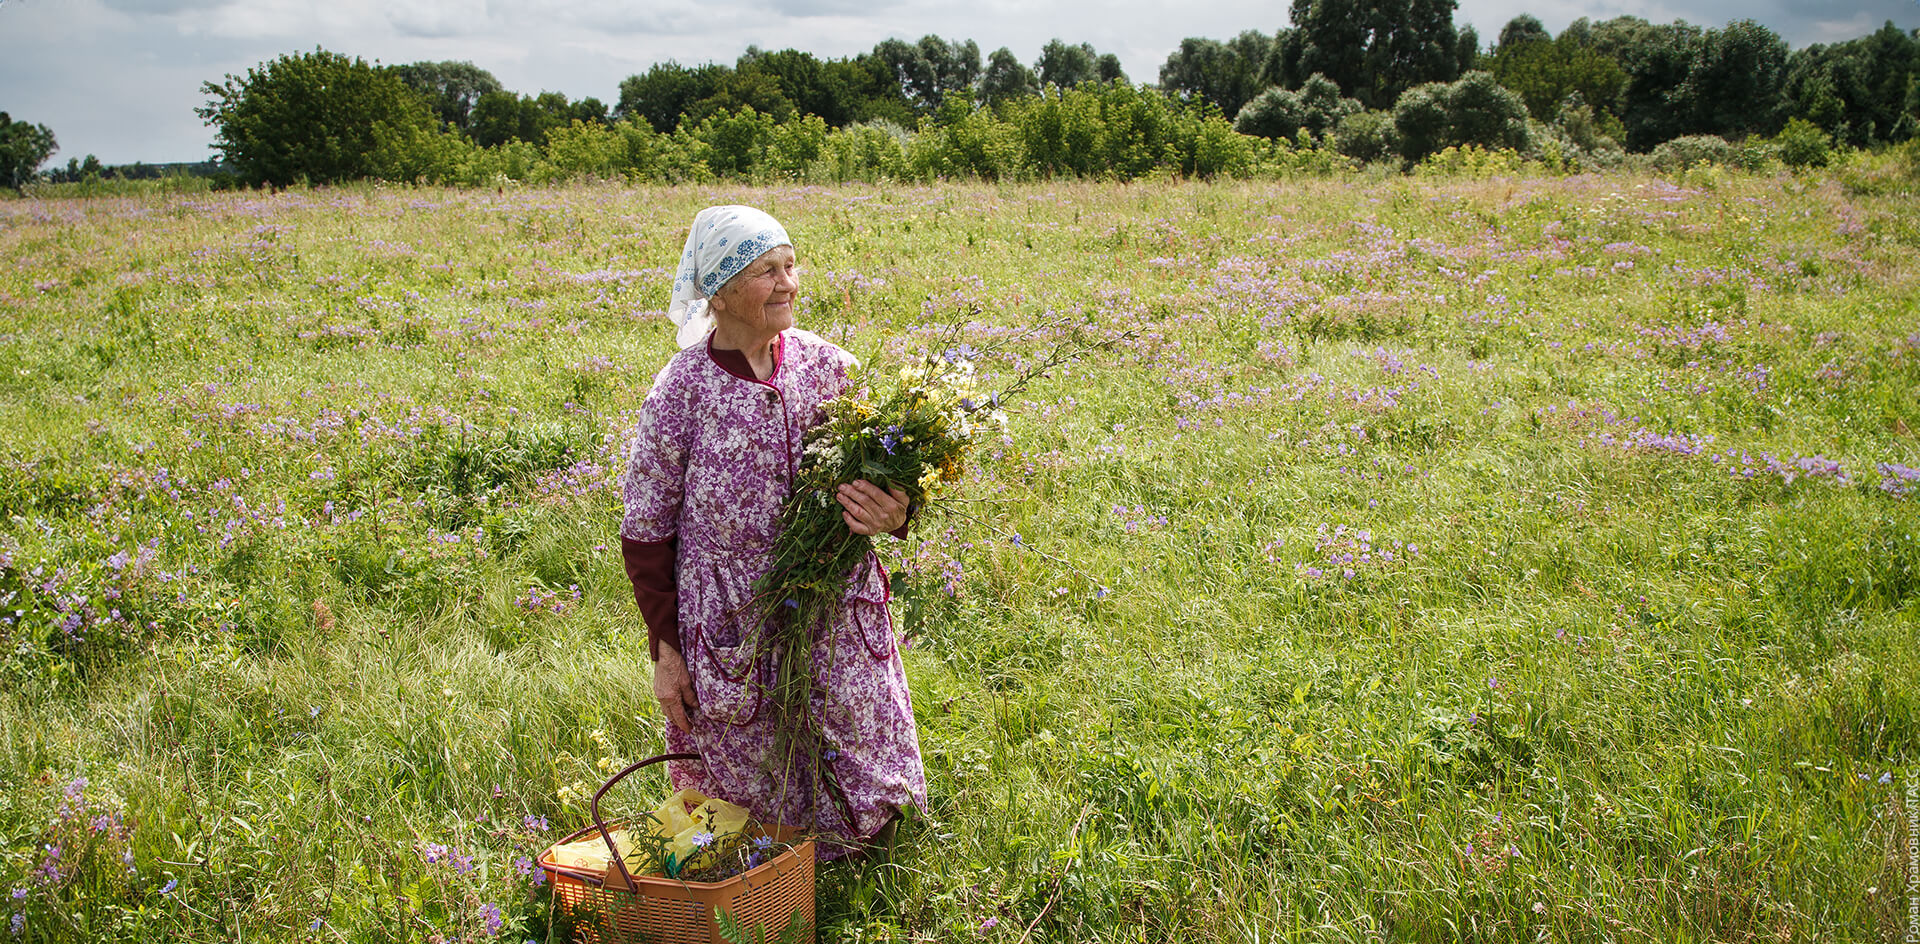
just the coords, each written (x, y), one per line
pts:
(617, 907)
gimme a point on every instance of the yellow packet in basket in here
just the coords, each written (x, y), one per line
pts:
(675, 826)
(688, 816)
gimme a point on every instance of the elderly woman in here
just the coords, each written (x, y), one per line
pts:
(713, 458)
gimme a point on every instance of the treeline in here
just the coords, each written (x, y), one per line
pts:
(1349, 82)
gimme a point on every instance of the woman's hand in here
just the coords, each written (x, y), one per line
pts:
(869, 510)
(674, 688)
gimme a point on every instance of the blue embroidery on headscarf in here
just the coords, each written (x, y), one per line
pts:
(742, 255)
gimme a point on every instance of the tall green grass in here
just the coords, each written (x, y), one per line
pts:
(1639, 668)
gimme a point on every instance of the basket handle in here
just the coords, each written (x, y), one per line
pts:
(613, 852)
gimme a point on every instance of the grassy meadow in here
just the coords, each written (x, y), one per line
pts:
(1432, 558)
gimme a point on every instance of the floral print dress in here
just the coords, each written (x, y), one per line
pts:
(714, 457)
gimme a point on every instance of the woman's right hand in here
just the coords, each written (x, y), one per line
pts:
(674, 687)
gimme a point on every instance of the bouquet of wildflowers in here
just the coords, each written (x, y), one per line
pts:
(915, 430)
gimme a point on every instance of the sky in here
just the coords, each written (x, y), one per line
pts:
(120, 79)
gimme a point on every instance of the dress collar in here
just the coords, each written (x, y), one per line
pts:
(735, 362)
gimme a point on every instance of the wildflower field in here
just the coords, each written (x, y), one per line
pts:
(1446, 557)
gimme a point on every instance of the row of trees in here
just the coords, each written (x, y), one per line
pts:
(1645, 83)
(1113, 129)
(1371, 79)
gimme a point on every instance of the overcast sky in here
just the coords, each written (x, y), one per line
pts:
(120, 78)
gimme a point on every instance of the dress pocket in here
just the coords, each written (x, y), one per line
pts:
(726, 681)
(866, 608)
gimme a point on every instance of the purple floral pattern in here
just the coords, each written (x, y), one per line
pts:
(713, 459)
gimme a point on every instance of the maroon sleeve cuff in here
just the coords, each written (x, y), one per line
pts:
(650, 568)
(905, 526)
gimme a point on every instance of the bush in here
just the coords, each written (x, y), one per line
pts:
(1597, 135)
(1803, 144)
(797, 146)
(1282, 113)
(1367, 136)
(584, 149)
(1281, 159)
(872, 151)
(737, 143)
(1471, 161)
(977, 145)
(1475, 110)
(1693, 150)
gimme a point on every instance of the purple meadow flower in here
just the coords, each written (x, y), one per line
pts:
(490, 913)
(168, 888)
(703, 839)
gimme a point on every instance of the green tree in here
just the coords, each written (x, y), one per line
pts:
(316, 116)
(929, 71)
(1546, 71)
(1733, 84)
(810, 87)
(500, 117)
(1006, 78)
(1065, 66)
(1227, 74)
(665, 92)
(1656, 60)
(1857, 91)
(874, 90)
(1466, 50)
(1373, 49)
(23, 148)
(759, 91)
(450, 88)
(1525, 28)
(77, 171)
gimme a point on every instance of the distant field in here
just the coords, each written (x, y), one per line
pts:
(1500, 559)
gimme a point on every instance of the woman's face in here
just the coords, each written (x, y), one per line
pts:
(758, 302)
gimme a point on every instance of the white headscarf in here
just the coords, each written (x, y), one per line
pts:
(722, 241)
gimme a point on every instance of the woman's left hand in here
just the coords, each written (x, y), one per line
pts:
(869, 510)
